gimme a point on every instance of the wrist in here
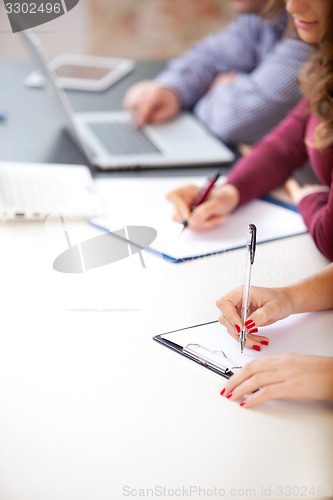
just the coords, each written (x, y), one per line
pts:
(230, 195)
(292, 295)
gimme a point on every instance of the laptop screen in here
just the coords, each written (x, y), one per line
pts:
(56, 92)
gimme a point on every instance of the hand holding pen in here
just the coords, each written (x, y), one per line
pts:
(202, 195)
(203, 208)
(258, 302)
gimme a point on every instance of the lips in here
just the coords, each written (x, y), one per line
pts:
(305, 25)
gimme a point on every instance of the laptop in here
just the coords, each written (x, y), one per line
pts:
(111, 141)
(33, 191)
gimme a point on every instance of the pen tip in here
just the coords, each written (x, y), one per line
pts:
(184, 224)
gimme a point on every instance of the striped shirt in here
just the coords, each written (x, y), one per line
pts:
(265, 88)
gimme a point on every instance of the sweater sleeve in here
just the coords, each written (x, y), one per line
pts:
(317, 212)
(272, 161)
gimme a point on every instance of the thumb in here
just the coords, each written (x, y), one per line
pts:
(162, 114)
(208, 209)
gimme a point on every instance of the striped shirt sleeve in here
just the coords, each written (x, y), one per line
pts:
(265, 88)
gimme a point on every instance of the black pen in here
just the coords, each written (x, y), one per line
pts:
(202, 195)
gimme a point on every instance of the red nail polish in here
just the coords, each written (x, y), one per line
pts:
(249, 323)
(229, 395)
(256, 347)
(242, 403)
(254, 330)
(222, 392)
(264, 342)
(237, 328)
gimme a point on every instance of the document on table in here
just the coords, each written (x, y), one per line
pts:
(147, 206)
(210, 344)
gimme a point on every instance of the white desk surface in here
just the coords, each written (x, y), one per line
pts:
(91, 408)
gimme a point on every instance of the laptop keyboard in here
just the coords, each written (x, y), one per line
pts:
(121, 138)
(40, 189)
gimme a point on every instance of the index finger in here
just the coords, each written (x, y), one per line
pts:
(141, 101)
(182, 199)
(268, 364)
(229, 304)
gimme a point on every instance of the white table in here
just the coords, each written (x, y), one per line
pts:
(91, 408)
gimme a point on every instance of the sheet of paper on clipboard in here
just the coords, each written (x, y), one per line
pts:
(210, 345)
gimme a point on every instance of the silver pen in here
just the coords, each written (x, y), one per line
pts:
(251, 249)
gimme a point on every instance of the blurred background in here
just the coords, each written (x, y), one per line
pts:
(143, 29)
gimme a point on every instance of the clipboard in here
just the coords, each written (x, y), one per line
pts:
(200, 342)
(274, 219)
(215, 360)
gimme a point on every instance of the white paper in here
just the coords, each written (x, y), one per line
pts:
(142, 202)
(308, 333)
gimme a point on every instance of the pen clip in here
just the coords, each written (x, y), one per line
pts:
(252, 241)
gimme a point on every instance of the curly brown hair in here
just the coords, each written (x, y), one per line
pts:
(316, 76)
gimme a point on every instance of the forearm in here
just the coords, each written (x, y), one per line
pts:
(256, 101)
(241, 112)
(312, 294)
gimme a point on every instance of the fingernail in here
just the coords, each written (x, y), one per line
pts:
(242, 403)
(264, 342)
(222, 392)
(249, 323)
(256, 347)
(238, 328)
(229, 395)
(254, 330)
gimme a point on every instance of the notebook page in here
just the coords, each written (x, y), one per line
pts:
(145, 205)
(272, 222)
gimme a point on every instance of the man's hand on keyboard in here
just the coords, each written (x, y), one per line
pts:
(151, 103)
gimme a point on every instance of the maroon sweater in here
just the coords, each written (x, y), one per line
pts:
(273, 160)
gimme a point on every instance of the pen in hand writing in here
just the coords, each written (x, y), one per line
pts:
(251, 248)
(202, 195)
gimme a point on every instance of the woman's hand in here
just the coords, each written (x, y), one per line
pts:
(267, 305)
(297, 192)
(293, 376)
(219, 203)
